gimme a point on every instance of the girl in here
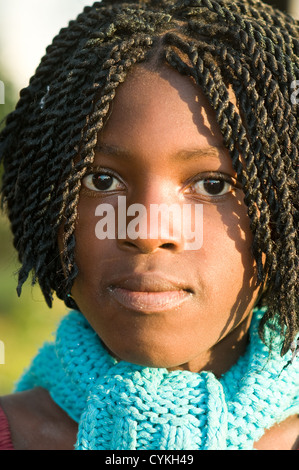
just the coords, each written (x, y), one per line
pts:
(175, 104)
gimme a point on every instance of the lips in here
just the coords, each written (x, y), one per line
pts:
(149, 293)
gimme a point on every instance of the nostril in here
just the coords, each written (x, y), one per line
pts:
(142, 246)
(168, 246)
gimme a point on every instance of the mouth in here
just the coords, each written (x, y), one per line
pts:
(149, 293)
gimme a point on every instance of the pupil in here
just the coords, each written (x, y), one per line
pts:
(214, 186)
(102, 182)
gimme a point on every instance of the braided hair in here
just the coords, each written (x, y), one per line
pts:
(49, 139)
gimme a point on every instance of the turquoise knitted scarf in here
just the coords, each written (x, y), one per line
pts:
(121, 406)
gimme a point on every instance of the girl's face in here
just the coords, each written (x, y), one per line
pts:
(152, 299)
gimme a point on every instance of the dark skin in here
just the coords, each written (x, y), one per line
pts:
(210, 329)
(159, 144)
(37, 423)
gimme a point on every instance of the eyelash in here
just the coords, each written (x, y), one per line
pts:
(231, 184)
(202, 179)
(87, 180)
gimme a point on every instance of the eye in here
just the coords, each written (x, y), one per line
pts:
(101, 181)
(212, 185)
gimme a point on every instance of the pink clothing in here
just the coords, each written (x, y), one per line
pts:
(5, 435)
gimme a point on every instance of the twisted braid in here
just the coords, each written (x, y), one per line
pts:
(49, 139)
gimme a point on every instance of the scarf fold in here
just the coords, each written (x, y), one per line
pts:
(122, 406)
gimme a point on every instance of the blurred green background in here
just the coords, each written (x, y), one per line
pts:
(26, 322)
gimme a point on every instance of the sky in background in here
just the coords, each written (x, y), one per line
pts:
(27, 27)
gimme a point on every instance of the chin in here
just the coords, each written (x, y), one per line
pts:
(144, 358)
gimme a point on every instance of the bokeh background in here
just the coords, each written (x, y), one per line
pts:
(26, 28)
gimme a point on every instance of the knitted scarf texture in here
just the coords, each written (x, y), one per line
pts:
(122, 406)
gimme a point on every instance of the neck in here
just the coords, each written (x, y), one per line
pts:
(224, 354)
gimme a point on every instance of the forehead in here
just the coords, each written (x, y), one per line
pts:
(162, 106)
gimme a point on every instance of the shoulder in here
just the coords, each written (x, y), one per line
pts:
(283, 436)
(37, 423)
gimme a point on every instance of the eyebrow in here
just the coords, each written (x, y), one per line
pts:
(184, 154)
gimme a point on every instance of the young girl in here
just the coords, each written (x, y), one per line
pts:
(190, 105)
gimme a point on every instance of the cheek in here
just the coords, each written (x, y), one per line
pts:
(226, 262)
(92, 257)
(228, 239)
(90, 252)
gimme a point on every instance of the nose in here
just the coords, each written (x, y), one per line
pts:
(147, 246)
(154, 223)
